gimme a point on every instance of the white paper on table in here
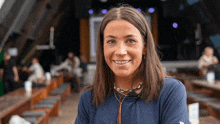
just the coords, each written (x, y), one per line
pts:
(194, 113)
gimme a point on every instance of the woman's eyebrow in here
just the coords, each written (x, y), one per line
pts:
(127, 36)
(131, 35)
(110, 36)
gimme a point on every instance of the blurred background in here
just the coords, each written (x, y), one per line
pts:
(48, 29)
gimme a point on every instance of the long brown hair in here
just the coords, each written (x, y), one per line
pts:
(150, 71)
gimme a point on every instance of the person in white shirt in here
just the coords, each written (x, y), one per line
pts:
(36, 71)
(72, 64)
(207, 60)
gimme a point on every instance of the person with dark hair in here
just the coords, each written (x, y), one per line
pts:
(70, 64)
(10, 73)
(130, 85)
(70, 67)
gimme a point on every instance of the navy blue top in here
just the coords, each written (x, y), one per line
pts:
(170, 108)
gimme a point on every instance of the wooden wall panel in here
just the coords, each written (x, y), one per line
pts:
(154, 24)
(84, 38)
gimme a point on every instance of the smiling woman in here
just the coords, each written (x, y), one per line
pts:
(130, 85)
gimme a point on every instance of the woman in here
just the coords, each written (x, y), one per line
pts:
(130, 85)
(206, 61)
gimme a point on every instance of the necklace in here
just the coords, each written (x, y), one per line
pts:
(126, 91)
(120, 101)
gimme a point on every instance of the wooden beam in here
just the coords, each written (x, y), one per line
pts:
(38, 9)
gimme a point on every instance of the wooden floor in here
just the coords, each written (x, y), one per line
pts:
(68, 110)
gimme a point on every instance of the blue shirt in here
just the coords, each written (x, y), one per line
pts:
(170, 108)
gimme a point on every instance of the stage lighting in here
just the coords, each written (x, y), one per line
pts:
(104, 11)
(90, 11)
(151, 10)
(138, 9)
(103, 1)
(175, 25)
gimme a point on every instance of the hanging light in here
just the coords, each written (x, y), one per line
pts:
(104, 11)
(151, 10)
(175, 25)
(90, 11)
(138, 9)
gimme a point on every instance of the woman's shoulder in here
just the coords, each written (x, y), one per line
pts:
(172, 81)
(172, 84)
(86, 95)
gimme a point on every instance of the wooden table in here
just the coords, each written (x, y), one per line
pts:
(16, 102)
(205, 84)
(13, 105)
(208, 120)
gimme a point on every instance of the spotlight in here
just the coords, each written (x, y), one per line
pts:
(90, 11)
(175, 25)
(151, 10)
(104, 11)
(138, 9)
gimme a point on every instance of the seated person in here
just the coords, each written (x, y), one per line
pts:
(36, 72)
(206, 61)
(71, 66)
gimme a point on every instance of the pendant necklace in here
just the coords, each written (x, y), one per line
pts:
(120, 101)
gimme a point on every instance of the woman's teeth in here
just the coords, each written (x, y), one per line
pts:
(122, 62)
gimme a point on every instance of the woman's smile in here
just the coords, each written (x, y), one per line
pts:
(122, 62)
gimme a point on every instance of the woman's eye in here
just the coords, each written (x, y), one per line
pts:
(111, 42)
(131, 41)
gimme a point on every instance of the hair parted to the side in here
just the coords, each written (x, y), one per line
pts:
(150, 71)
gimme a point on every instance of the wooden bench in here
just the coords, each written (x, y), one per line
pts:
(214, 110)
(17, 102)
(36, 117)
(51, 105)
(62, 90)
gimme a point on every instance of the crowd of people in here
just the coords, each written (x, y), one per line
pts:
(13, 78)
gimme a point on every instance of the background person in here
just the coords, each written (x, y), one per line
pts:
(73, 73)
(35, 71)
(130, 86)
(10, 73)
(206, 61)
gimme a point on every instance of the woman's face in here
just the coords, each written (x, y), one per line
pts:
(123, 47)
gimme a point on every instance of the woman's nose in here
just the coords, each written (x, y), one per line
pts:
(121, 49)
